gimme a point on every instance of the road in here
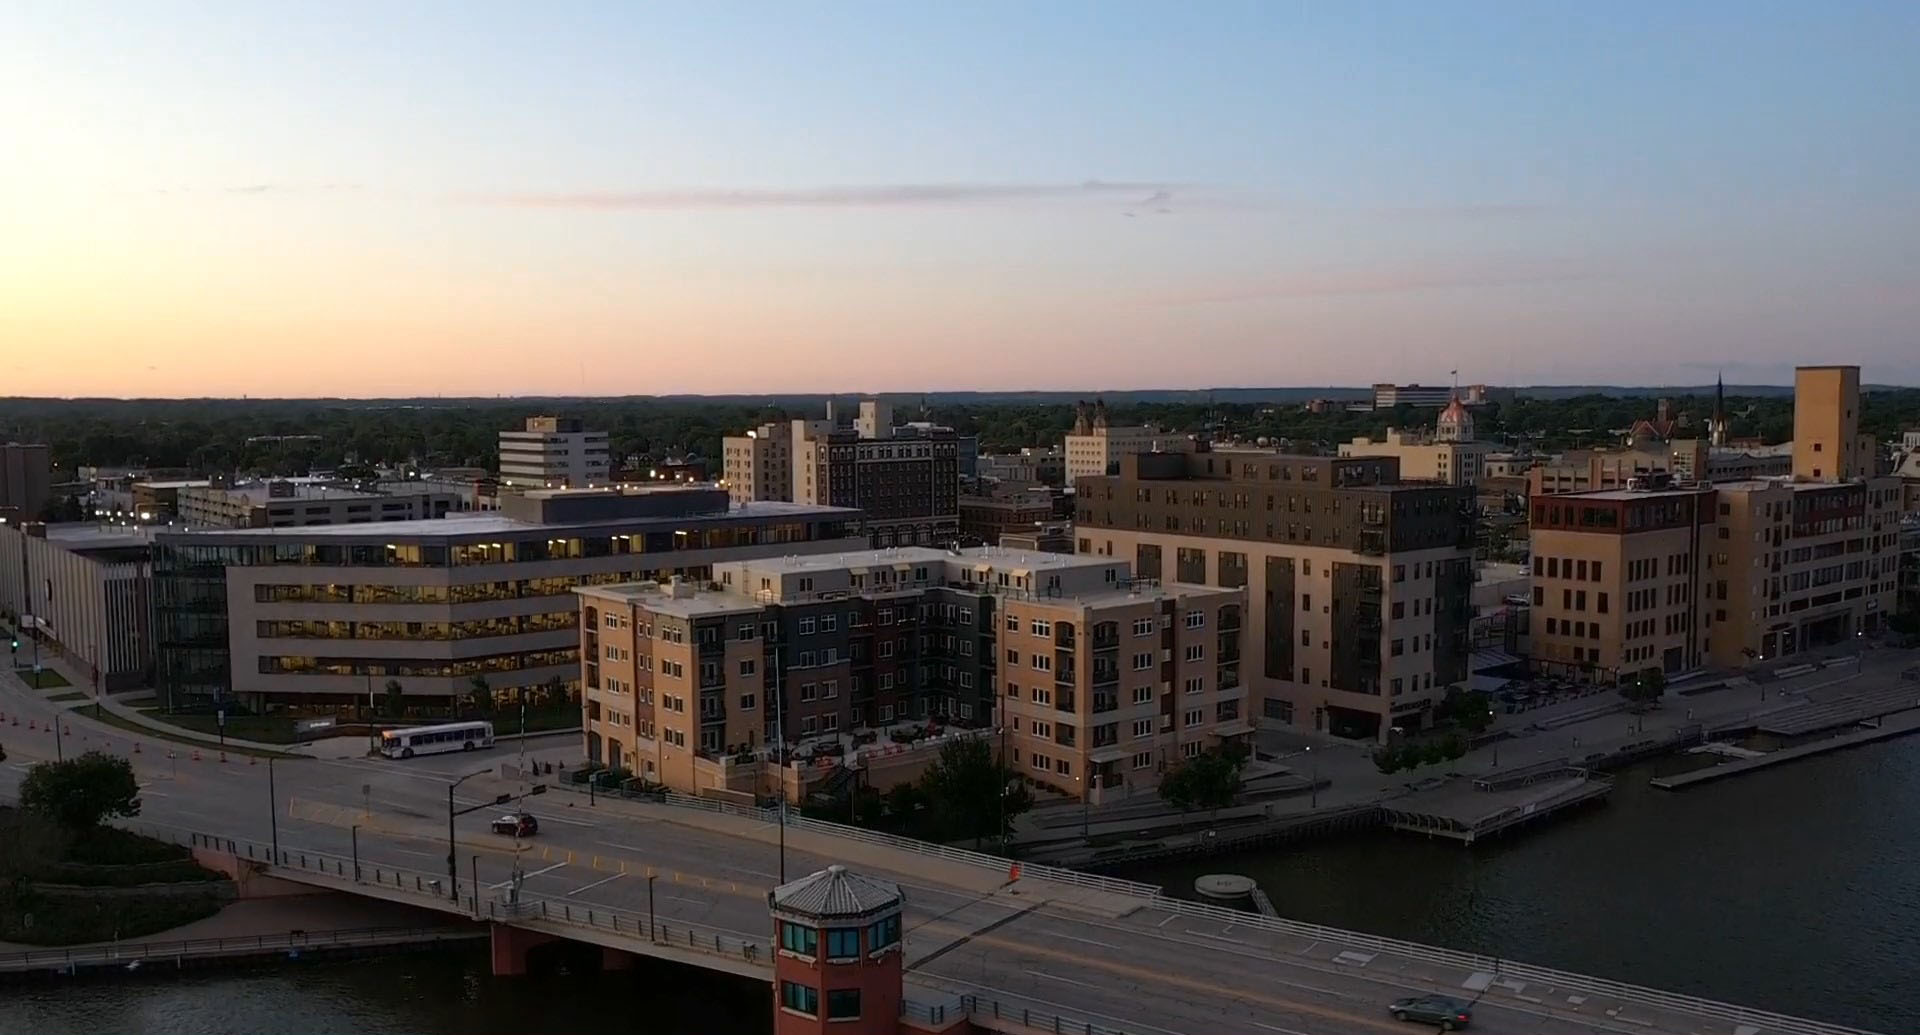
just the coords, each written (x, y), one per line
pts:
(1124, 961)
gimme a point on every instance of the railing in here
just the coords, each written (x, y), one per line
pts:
(432, 891)
(983, 1011)
(198, 948)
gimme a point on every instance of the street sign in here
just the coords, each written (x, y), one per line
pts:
(221, 717)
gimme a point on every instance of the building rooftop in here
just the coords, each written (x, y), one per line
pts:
(835, 892)
(498, 524)
(686, 599)
(1626, 494)
(1027, 560)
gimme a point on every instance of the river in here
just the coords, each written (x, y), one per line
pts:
(1795, 888)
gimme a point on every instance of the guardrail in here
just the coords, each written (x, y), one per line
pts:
(982, 1012)
(202, 948)
(1564, 981)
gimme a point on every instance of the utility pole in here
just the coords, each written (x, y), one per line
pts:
(273, 816)
(780, 753)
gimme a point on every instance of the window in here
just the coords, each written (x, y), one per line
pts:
(829, 623)
(1013, 623)
(1193, 717)
(966, 616)
(843, 1004)
(800, 998)
(883, 934)
(1196, 619)
(808, 692)
(799, 938)
(746, 666)
(1196, 652)
(806, 627)
(1196, 684)
(886, 649)
(843, 943)
(1143, 695)
(1142, 728)
(1143, 760)
(1398, 648)
(1042, 627)
(1043, 662)
(747, 702)
(1143, 627)
(1142, 662)
(1013, 657)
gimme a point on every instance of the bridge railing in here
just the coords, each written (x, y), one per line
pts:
(195, 948)
(1561, 980)
(962, 856)
(431, 890)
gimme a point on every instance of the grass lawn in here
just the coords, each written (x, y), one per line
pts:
(131, 726)
(70, 695)
(46, 680)
(266, 729)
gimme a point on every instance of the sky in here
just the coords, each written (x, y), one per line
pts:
(380, 199)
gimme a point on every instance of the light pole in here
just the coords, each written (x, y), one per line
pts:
(780, 754)
(650, 922)
(453, 860)
(356, 853)
(273, 813)
(1313, 790)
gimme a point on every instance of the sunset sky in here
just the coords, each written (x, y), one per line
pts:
(510, 198)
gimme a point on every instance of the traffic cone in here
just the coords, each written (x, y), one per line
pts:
(1013, 873)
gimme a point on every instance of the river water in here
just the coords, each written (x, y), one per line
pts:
(1795, 888)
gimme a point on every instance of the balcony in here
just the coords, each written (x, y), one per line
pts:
(1371, 543)
(1103, 703)
(1063, 701)
(1106, 637)
(1063, 636)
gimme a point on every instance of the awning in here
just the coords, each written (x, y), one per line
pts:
(1234, 729)
(1108, 754)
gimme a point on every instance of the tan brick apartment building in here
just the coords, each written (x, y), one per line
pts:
(1662, 575)
(1358, 585)
(1098, 680)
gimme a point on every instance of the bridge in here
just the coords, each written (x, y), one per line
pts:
(686, 880)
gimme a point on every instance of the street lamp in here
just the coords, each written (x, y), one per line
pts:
(1313, 765)
(453, 861)
(273, 811)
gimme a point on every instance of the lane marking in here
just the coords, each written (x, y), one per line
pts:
(595, 884)
(1064, 980)
(1275, 1027)
(536, 873)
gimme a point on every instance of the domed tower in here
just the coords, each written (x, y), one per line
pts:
(837, 966)
(1455, 423)
(1099, 414)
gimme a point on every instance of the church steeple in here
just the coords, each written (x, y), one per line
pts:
(1717, 428)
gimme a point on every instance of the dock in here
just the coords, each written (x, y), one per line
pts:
(1468, 810)
(1885, 729)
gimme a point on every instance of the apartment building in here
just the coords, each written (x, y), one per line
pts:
(1667, 575)
(284, 504)
(25, 481)
(554, 453)
(684, 682)
(1358, 584)
(1448, 454)
(984, 518)
(1095, 446)
(317, 618)
(1622, 580)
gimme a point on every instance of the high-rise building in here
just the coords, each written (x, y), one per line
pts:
(25, 481)
(1387, 396)
(1358, 584)
(554, 453)
(318, 618)
(1095, 446)
(1098, 680)
(759, 464)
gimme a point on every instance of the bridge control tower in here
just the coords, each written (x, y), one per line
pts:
(837, 965)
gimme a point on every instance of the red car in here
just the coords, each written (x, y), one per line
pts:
(516, 824)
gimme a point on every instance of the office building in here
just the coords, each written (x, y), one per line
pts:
(86, 586)
(1358, 584)
(25, 481)
(1097, 679)
(1388, 396)
(554, 453)
(1095, 446)
(284, 504)
(1030, 466)
(317, 618)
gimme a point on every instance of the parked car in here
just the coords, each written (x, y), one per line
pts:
(1447, 1012)
(516, 824)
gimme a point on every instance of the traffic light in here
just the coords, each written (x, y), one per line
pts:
(538, 788)
(502, 799)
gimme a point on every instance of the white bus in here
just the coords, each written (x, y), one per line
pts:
(425, 740)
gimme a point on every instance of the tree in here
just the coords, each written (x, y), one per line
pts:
(553, 691)
(396, 699)
(80, 792)
(1471, 710)
(1209, 780)
(480, 695)
(1645, 688)
(971, 794)
(1387, 759)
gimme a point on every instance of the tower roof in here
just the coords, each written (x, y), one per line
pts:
(835, 892)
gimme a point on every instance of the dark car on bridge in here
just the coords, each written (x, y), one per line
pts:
(516, 824)
(1447, 1012)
